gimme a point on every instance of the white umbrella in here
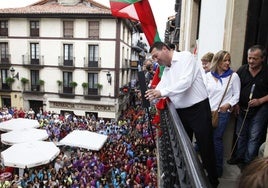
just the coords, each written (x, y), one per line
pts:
(18, 124)
(29, 154)
(84, 139)
(24, 135)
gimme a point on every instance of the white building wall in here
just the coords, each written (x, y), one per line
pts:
(51, 48)
(80, 28)
(212, 26)
(17, 27)
(108, 28)
(50, 27)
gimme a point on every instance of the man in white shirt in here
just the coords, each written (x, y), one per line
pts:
(182, 82)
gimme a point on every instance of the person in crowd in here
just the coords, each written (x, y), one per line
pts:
(252, 108)
(182, 82)
(255, 174)
(78, 167)
(172, 46)
(206, 61)
(216, 82)
(149, 72)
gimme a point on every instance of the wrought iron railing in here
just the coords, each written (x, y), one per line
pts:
(179, 165)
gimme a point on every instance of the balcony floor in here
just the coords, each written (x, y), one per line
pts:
(230, 175)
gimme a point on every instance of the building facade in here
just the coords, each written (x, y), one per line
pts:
(66, 56)
(210, 26)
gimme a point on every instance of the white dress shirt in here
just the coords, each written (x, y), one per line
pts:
(182, 82)
(216, 89)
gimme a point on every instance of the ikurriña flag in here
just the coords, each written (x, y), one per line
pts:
(139, 10)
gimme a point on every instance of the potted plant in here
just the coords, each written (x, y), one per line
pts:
(99, 86)
(73, 84)
(24, 81)
(85, 85)
(10, 81)
(59, 82)
(41, 82)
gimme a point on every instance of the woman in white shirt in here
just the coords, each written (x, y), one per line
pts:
(216, 81)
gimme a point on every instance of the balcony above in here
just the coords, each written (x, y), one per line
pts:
(5, 87)
(37, 62)
(5, 60)
(92, 65)
(66, 92)
(92, 94)
(66, 64)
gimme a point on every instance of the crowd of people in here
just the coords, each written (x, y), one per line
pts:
(127, 159)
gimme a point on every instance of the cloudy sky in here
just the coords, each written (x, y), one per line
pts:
(162, 9)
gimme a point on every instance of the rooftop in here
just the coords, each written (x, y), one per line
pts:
(50, 7)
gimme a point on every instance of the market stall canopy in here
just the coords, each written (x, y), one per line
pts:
(24, 135)
(84, 139)
(18, 124)
(29, 154)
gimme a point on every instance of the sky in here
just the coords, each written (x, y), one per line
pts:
(162, 9)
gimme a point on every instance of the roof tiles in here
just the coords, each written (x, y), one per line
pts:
(52, 7)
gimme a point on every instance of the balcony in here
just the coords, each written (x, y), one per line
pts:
(92, 65)
(35, 89)
(139, 46)
(92, 94)
(5, 60)
(36, 63)
(125, 64)
(3, 32)
(66, 64)
(179, 165)
(34, 32)
(5, 87)
(66, 92)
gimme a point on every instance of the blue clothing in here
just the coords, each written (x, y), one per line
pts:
(218, 141)
(251, 134)
(224, 75)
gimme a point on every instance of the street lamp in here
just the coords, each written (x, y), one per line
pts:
(12, 71)
(109, 77)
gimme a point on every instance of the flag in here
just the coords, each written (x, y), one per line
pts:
(138, 10)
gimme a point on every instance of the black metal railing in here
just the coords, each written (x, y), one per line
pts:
(179, 165)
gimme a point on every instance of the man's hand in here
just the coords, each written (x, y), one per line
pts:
(152, 94)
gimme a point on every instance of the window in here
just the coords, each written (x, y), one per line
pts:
(4, 53)
(93, 55)
(68, 54)
(34, 28)
(92, 83)
(93, 29)
(4, 75)
(34, 53)
(67, 79)
(34, 80)
(3, 28)
(68, 29)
